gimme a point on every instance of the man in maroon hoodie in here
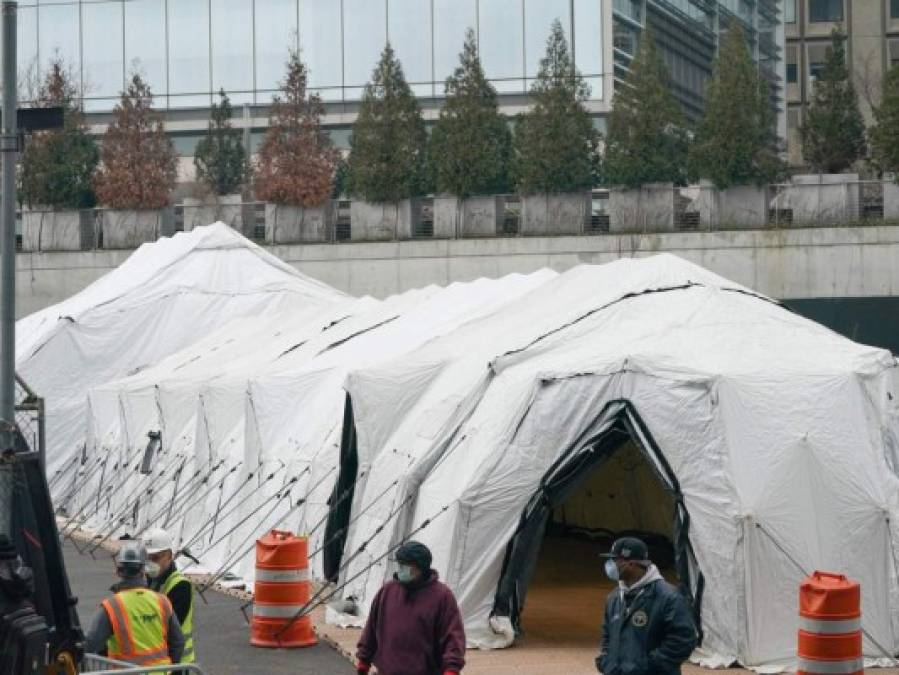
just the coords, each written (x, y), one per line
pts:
(414, 626)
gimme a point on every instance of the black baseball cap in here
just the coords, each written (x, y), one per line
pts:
(628, 548)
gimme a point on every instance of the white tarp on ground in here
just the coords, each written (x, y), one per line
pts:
(782, 436)
(164, 297)
(264, 399)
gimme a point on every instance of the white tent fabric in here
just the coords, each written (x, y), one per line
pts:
(275, 410)
(780, 434)
(164, 297)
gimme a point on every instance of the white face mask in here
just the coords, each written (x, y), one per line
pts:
(152, 569)
(405, 574)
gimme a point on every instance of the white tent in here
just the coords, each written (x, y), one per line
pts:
(268, 400)
(167, 295)
(776, 437)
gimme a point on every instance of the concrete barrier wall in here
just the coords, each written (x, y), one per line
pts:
(228, 209)
(802, 263)
(52, 230)
(286, 224)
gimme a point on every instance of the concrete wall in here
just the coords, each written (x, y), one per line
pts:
(295, 224)
(822, 198)
(225, 208)
(802, 263)
(472, 217)
(383, 221)
(740, 206)
(651, 207)
(51, 230)
(566, 213)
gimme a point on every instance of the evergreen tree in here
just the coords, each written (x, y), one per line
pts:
(297, 161)
(220, 158)
(58, 165)
(138, 162)
(736, 143)
(833, 136)
(471, 143)
(555, 142)
(646, 141)
(885, 133)
(387, 159)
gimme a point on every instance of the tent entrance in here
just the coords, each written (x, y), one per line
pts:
(613, 483)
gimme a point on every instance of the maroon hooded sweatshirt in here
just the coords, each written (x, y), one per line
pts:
(413, 629)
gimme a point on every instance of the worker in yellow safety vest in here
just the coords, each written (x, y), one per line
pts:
(165, 578)
(135, 625)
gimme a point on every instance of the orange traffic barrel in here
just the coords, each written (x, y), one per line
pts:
(830, 625)
(282, 588)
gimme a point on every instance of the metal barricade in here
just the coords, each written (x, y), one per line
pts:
(101, 665)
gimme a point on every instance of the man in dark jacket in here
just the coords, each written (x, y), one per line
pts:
(414, 626)
(648, 628)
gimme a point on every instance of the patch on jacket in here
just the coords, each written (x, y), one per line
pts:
(639, 619)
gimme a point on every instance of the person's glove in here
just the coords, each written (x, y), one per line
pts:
(362, 668)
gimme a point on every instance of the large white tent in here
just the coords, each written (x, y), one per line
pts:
(776, 437)
(463, 416)
(164, 297)
(265, 399)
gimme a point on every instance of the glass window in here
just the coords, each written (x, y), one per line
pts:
(189, 50)
(58, 35)
(409, 31)
(817, 54)
(792, 66)
(894, 9)
(500, 38)
(792, 73)
(26, 52)
(452, 18)
(538, 20)
(102, 50)
(365, 22)
(626, 38)
(588, 42)
(825, 10)
(894, 53)
(145, 42)
(790, 11)
(232, 45)
(320, 45)
(633, 9)
(276, 33)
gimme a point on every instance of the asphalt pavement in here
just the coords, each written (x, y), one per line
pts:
(221, 634)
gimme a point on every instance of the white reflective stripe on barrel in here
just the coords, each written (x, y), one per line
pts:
(282, 576)
(829, 627)
(813, 667)
(279, 611)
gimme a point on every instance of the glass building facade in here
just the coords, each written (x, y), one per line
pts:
(189, 49)
(687, 32)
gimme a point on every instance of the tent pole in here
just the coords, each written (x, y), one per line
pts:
(9, 141)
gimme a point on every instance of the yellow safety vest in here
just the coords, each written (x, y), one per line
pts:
(140, 620)
(188, 626)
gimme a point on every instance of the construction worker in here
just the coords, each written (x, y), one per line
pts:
(648, 627)
(165, 578)
(135, 625)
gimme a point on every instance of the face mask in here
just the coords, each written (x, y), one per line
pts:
(612, 570)
(404, 574)
(152, 569)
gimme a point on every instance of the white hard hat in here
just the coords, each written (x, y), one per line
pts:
(157, 540)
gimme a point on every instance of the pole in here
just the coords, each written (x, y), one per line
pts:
(9, 141)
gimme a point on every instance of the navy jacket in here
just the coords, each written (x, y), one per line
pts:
(650, 633)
